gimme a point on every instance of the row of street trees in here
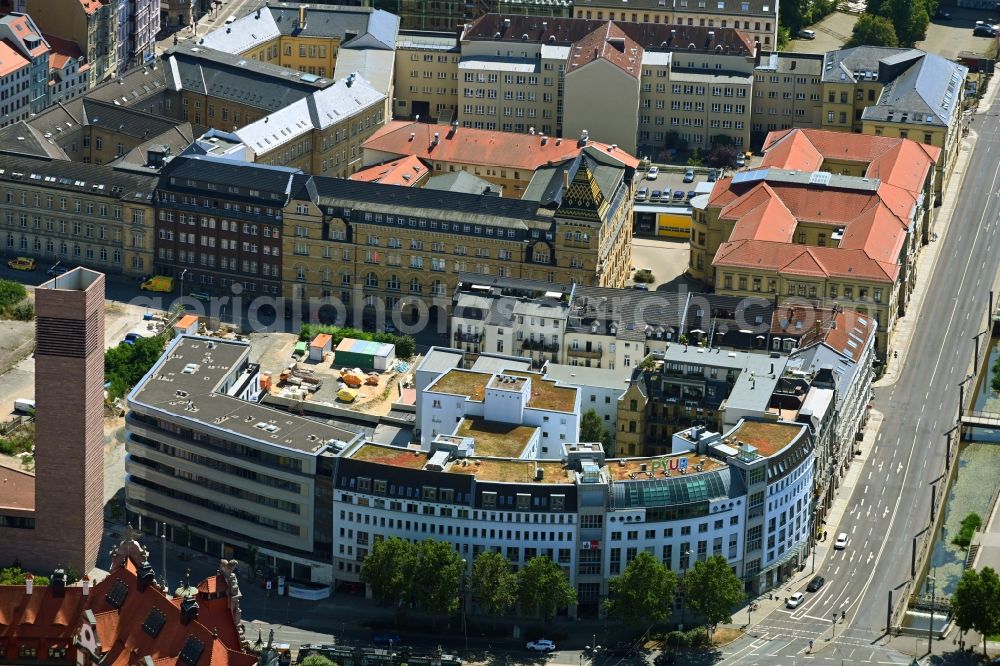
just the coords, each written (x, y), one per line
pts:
(644, 594)
(429, 576)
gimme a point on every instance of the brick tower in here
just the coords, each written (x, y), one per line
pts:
(69, 425)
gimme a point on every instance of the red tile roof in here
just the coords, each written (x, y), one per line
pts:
(473, 146)
(407, 171)
(10, 59)
(53, 620)
(62, 50)
(17, 489)
(831, 326)
(804, 261)
(874, 223)
(90, 6)
(610, 43)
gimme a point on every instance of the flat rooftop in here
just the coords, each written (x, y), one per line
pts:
(189, 381)
(512, 471)
(545, 394)
(390, 455)
(622, 469)
(462, 382)
(768, 438)
(17, 489)
(496, 440)
(508, 382)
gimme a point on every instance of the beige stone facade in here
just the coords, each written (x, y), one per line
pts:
(58, 211)
(757, 18)
(787, 92)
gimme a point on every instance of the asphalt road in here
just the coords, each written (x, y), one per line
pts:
(891, 503)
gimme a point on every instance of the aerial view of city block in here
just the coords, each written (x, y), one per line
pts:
(499, 332)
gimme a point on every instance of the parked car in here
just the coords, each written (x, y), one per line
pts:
(541, 645)
(795, 600)
(639, 286)
(652, 173)
(816, 583)
(201, 296)
(56, 270)
(984, 31)
(741, 160)
(130, 338)
(713, 175)
(641, 194)
(691, 194)
(841, 542)
(807, 34)
(22, 264)
(655, 196)
(689, 176)
(678, 194)
(942, 15)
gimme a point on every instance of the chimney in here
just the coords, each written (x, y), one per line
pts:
(756, 53)
(29, 584)
(531, 131)
(86, 586)
(584, 137)
(565, 180)
(302, 17)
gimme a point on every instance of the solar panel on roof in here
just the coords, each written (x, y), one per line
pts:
(820, 178)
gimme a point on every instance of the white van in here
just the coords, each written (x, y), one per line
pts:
(231, 19)
(24, 405)
(807, 34)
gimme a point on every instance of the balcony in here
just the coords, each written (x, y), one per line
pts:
(585, 353)
(474, 338)
(535, 345)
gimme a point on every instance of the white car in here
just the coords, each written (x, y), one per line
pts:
(795, 600)
(541, 645)
(841, 542)
(652, 173)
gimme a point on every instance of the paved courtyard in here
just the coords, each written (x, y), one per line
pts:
(831, 33)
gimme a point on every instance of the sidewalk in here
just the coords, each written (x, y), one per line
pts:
(766, 606)
(899, 340)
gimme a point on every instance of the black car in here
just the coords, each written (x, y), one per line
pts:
(815, 584)
(984, 31)
(942, 15)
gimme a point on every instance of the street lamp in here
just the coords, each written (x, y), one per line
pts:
(461, 601)
(183, 273)
(684, 558)
(930, 625)
(834, 635)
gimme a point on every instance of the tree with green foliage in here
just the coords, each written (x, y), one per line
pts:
(11, 293)
(16, 576)
(872, 30)
(436, 577)
(976, 602)
(542, 588)
(316, 660)
(712, 590)
(493, 582)
(970, 524)
(592, 429)
(644, 594)
(125, 365)
(388, 568)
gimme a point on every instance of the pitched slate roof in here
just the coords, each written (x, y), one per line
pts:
(252, 82)
(923, 86)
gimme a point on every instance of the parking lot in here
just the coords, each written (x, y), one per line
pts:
(831, 33)
(671, 186)
(947, 37)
